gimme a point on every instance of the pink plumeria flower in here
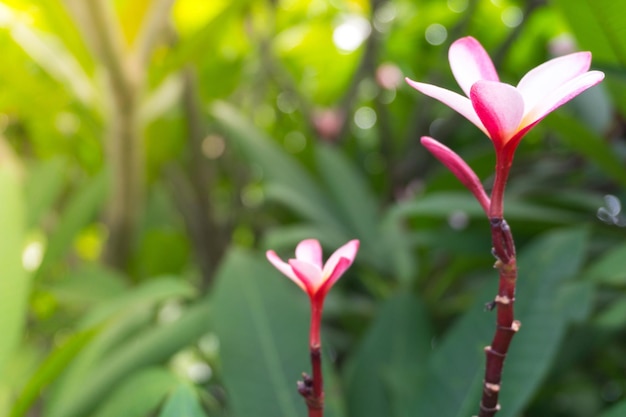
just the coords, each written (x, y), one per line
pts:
(503, 112)
(313, 277)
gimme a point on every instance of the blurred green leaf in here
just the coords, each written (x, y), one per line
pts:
(79, 211)
(619, 410)
(149, 347)
(575, 300)
(88, 285)
(596, 148)
(443, 204)
(612, 317)
(457, 365)
(262, 327)
(399, 248)
(195, 44)
(599, 25)
(183, 402)
(147, 294)
(389, 365)
(15, 282)
(61, 24)
(139, 394)
(610, 268)
(262, 323)
(281, 169)
(48, 52)
(356, 204)
(49, 370)
(43, 187)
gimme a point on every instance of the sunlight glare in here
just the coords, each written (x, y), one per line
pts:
(351, 33)
(32, 256)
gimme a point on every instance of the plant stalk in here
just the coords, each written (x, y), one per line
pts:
(506, 325)
(312, 387)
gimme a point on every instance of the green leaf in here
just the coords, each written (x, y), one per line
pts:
(443, 204)
(610, 268)
(88, 285)
(587, 143)
(618, 410)
(612, 318)
(62, 25)
(51, 55)
(280, 168)
(138, 394)
(149, 347)
(355, 202)
(599, 26)
(457, 366)
(575, 300)
(399, 248)
(80, 210)
(183, 402)
(15, 282)
(49, 370)
(43, 187)
(146, 295)
(389, 364)
(262, 321)
(195, 45)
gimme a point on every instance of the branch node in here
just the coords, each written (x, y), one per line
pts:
(488, 409)
(492, 387)
(504, 300)
(489, 350)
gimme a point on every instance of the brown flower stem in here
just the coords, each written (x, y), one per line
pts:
(312, 387)
(506, 325)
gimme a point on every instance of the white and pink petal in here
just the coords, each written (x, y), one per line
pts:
(283, 267)
(455, 101)
(310, 250)
(347, 251)
(500, 107)
(561, 95)
(470, 63)
(307, 273)
(340, 267)
(551, 75)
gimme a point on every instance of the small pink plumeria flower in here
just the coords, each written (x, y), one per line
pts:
(504, 112)
(313, 277)
(307, 270)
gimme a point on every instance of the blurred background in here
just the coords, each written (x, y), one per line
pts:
(151, 151)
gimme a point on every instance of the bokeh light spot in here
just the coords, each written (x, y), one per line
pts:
(457, 6)
(436, 34)
(365, 117)
(213, 146)
(32, 255)
(351, 33)
(512, 16)
(286, 103)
